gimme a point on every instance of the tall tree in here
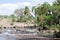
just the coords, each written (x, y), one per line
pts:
(19, 13)
(26, 10)
(56, 11)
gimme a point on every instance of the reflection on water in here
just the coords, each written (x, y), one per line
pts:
(3, 38)
(5, 35)
(9, 34)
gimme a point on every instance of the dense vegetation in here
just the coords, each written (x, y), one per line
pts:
(46, 15)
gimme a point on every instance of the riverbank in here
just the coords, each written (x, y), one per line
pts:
(27, 38)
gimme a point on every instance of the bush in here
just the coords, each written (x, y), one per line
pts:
(13, 20)
(55, 27)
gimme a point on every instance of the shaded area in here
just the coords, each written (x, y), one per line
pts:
(40, 39)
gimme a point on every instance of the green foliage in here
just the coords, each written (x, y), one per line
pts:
(43, 9)
(54, 27)
(46, 15)
(25, 18)
(26, 10)
(13, 18)
(58, 1)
